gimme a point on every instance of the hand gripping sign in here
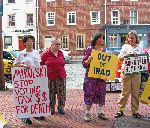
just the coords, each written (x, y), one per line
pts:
(30, 91)
(103, 65)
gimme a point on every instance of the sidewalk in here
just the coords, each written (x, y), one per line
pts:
(75, 112)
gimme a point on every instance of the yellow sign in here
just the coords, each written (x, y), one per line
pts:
(2, 121)
(103, 65)
(146, 94)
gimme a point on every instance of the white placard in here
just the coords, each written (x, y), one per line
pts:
(135, 64)
(30, 91)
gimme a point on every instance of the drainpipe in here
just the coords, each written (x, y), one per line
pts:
(105, 12)
(37, 25)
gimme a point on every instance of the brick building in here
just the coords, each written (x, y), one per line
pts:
(126, 15)
(74, 21)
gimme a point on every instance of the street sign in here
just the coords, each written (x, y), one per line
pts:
(1, 7)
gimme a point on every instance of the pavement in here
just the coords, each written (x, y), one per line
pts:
(73, 117)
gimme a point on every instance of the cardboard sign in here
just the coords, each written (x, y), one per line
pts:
(103, 65)
(135, 64)
(146, 94)
(30, 90)
(3, 122)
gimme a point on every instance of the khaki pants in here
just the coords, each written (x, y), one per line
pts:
(130, 85)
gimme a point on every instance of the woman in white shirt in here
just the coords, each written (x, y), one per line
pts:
(130, 83)
(28, 58)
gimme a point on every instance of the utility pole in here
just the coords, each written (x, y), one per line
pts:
(2, 80)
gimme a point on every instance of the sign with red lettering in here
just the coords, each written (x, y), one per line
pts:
(30, 91)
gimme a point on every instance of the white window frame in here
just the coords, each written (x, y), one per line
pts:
(12, 20)
(95, 20)
(133, 18)
(64, 42)
(51, 18)
(69, 0)
(47, 41)
(77, 43)
(30, 23)
(114, 0)
(133, 0)
(115, 19)
(71, 13)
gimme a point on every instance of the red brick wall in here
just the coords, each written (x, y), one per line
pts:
(61, 7)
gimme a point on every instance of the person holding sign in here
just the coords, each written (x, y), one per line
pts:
(53, 58)
(27, 58)
(130, 82)
(94, 88)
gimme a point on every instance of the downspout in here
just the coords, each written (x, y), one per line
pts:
(105, 12)
(37, 24)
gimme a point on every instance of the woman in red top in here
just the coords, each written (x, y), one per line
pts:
(53, 58)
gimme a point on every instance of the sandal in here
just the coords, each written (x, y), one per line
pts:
(27, 121)
(137, 115)
(119, 114)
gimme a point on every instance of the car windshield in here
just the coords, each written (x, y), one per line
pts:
(15, 53)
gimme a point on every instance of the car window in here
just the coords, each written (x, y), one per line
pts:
(15, 53)
(6, 55)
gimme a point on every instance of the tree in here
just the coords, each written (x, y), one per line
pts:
(2, 80)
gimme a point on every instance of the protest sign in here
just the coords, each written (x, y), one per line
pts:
(135, 64)
(30, 91)
(3, 122)
(103, 65)
(146, 94)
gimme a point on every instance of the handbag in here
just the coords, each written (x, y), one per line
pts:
(144, 76)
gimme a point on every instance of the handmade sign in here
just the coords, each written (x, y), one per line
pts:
(145, 97)
(30, 90)
(3, 122)
(135, 64)
(103, 65)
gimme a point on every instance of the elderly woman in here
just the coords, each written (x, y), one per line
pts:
(130, 83)
(94, 88)
(28, 58)
(53, 58)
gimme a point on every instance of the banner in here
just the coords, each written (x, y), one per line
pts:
(103, 65)
(30, 90)
(135, 64)
(146, 94)
(3, 122)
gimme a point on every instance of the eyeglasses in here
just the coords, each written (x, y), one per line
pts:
(57, 44)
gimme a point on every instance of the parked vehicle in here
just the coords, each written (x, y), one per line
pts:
(9, 57)
(67, 55)
(115, 50)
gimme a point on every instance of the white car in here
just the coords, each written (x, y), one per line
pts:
(67, 55)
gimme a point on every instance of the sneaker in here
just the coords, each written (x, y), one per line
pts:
(137, 115)
(39, 118)
(27, 121)
(87, 117)
(102, 116)
(119, 114)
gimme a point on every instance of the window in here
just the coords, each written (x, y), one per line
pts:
(47, 41)
(11, 19)
(114, 0)
(11, 1)
(28, 1)
(71, 18)
(64, 42)
(50, 16)
(29, 19)
(133, 0)
(133, 17)
(7, 41)
(80, 41)
(113, 40)
(95, 17)
(115, 17)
